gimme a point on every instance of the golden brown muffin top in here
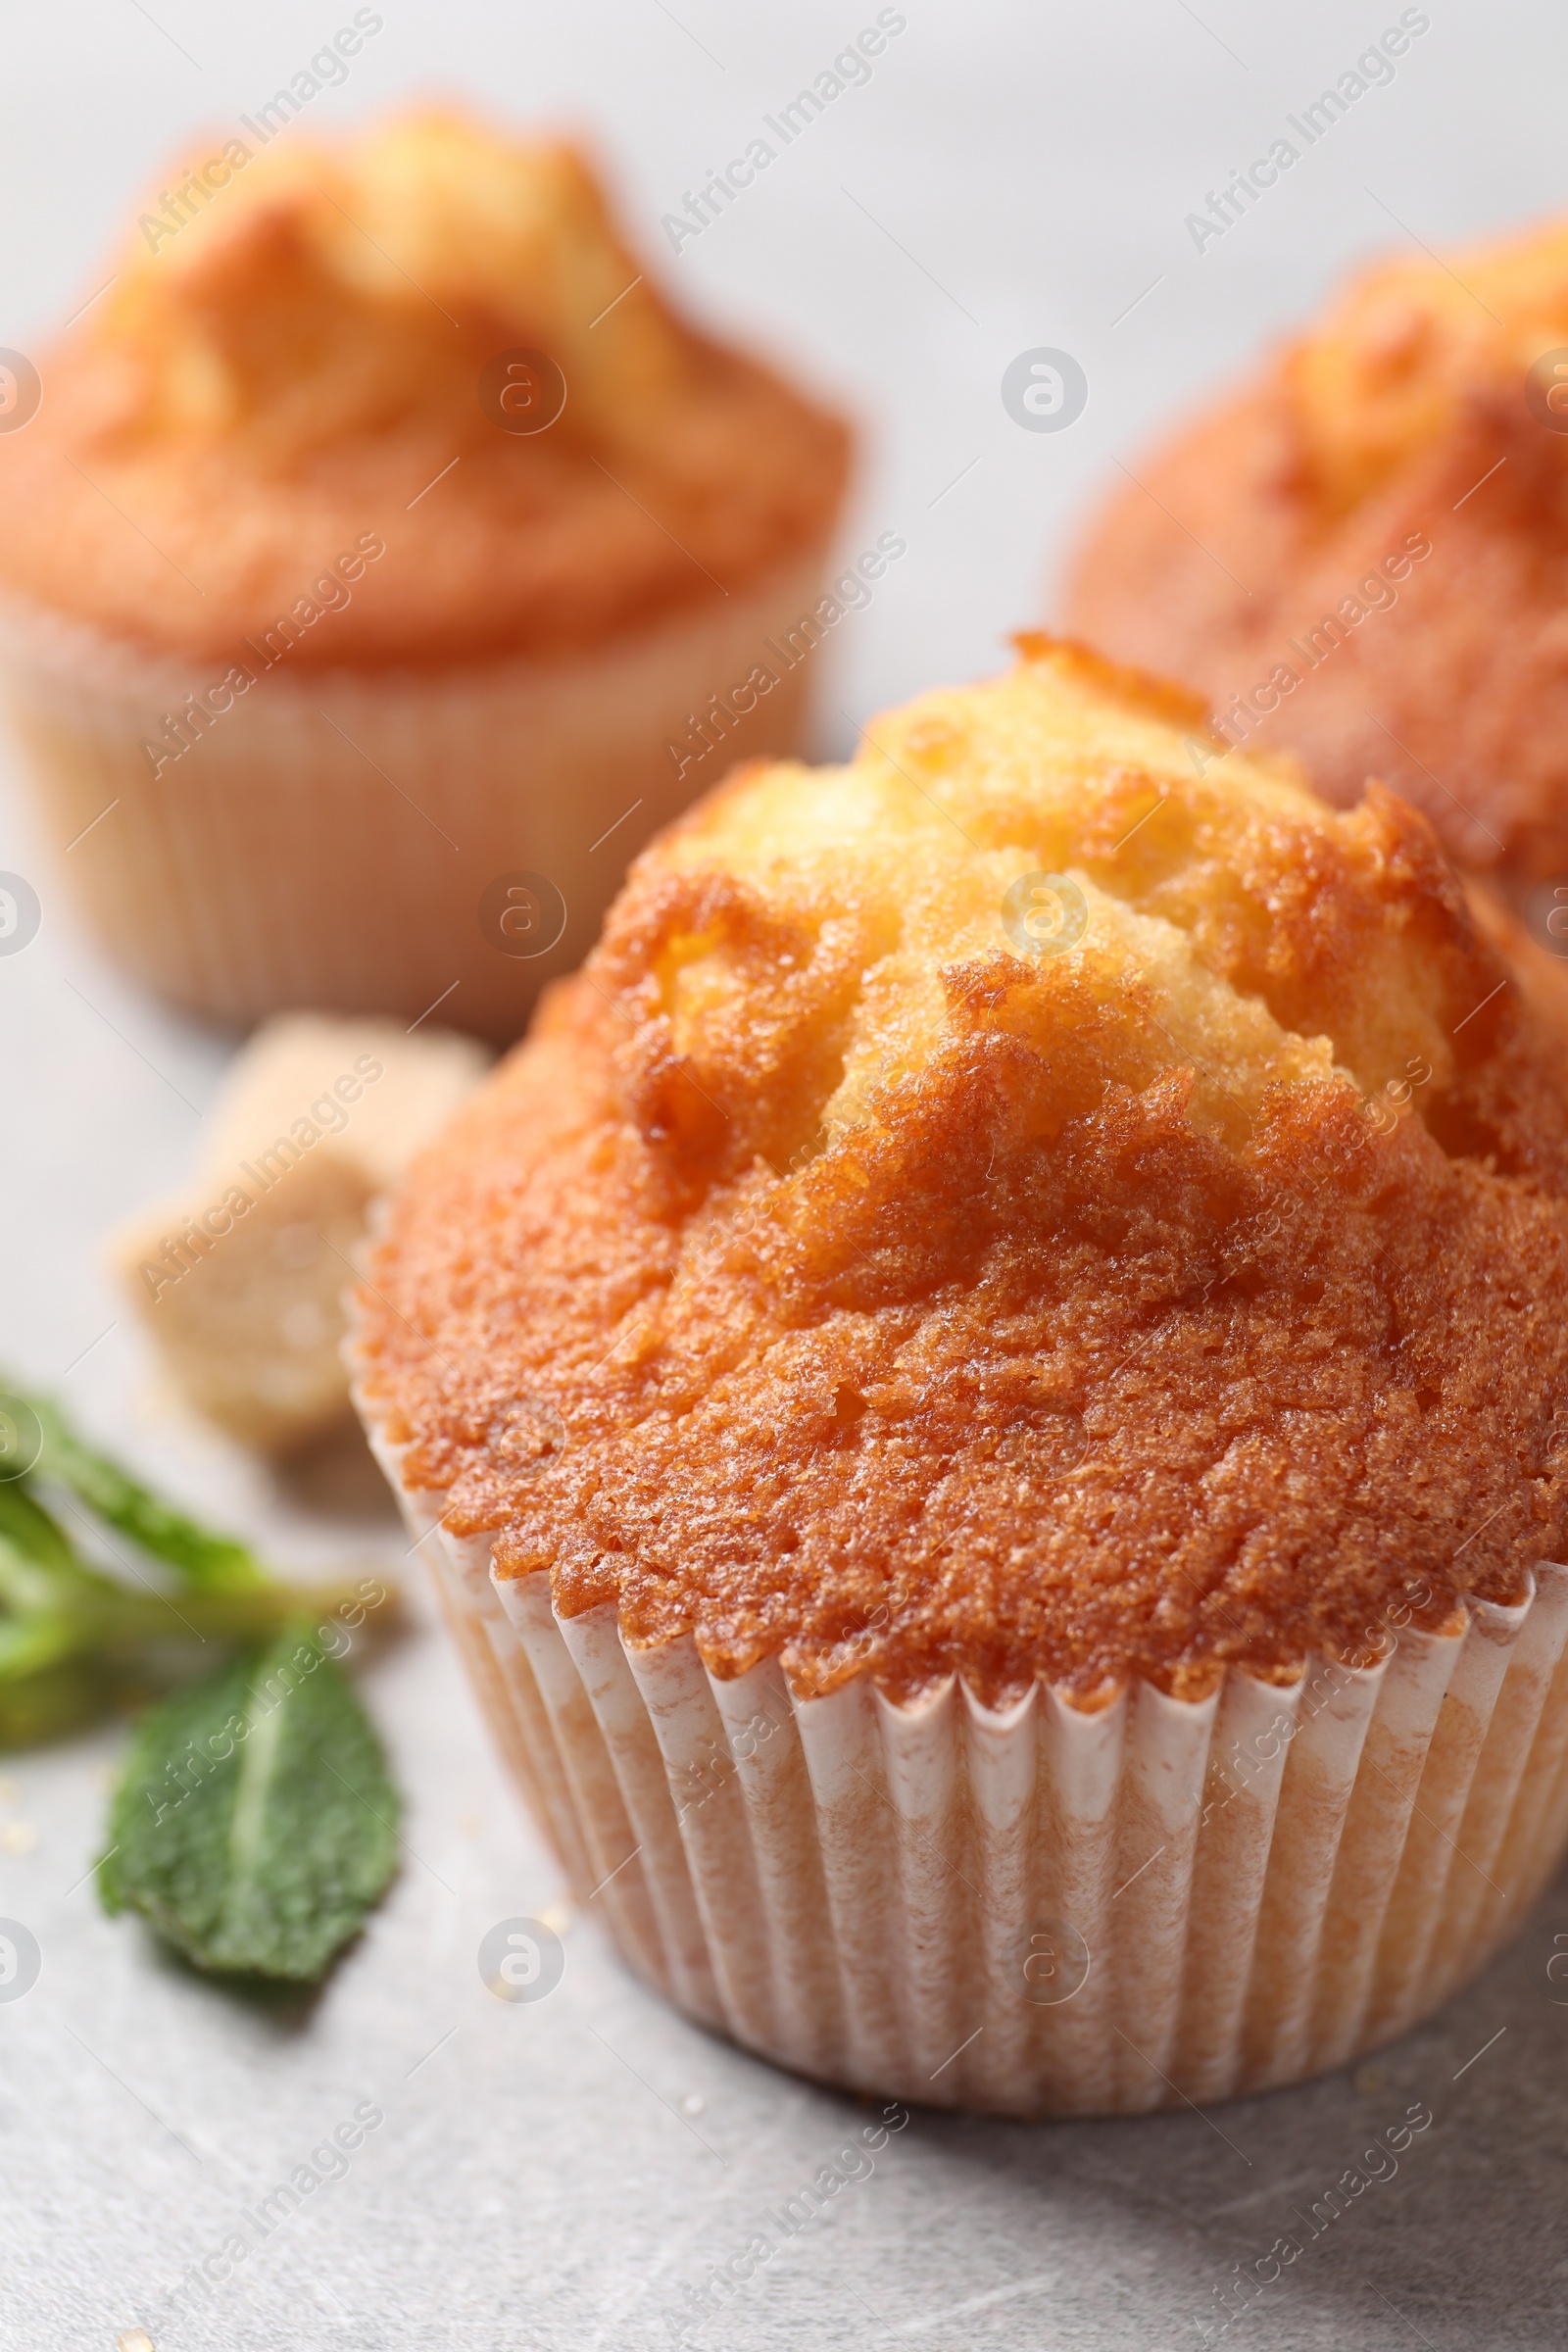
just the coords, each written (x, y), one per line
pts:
(293, 364)
(1361, 555)
(1411, 345)
(1044, 1197)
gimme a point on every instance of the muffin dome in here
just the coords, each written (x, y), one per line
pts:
(291, 358)
(1047, 1197)
(1363, 555)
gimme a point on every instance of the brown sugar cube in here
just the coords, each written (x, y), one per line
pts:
(239, 1282)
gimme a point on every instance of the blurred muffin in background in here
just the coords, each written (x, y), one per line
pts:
(384, 560)
(1362, 555)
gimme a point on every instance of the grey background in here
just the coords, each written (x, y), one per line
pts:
(1011, 178)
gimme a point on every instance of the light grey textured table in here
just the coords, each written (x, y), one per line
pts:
(558, 2174)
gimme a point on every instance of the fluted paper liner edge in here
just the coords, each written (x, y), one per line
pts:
(328, 839)
(1045, 1909)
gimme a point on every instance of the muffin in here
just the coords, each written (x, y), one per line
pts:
(988, 1382)
(385, 559)
(1363, 555)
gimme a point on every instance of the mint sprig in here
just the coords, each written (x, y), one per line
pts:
(255, 1823)
(72, 1635)
(215, 1563)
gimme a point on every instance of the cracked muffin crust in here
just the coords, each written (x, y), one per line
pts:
(846, 1270)
(299, 360)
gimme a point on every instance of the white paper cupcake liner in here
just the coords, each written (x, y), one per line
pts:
(1042, 1909)
(326, 841)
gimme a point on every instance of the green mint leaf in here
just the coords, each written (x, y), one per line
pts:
(216, 1563)
(26, 1525)
(45, 1701)
(256, 1824)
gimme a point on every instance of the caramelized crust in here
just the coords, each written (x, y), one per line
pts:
(296, 365)
(835, 1275)
(1271, 553)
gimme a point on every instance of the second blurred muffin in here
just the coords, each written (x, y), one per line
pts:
(1362, 555)
(384, 563)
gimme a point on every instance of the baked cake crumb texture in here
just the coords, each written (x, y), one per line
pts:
(854, 1267)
